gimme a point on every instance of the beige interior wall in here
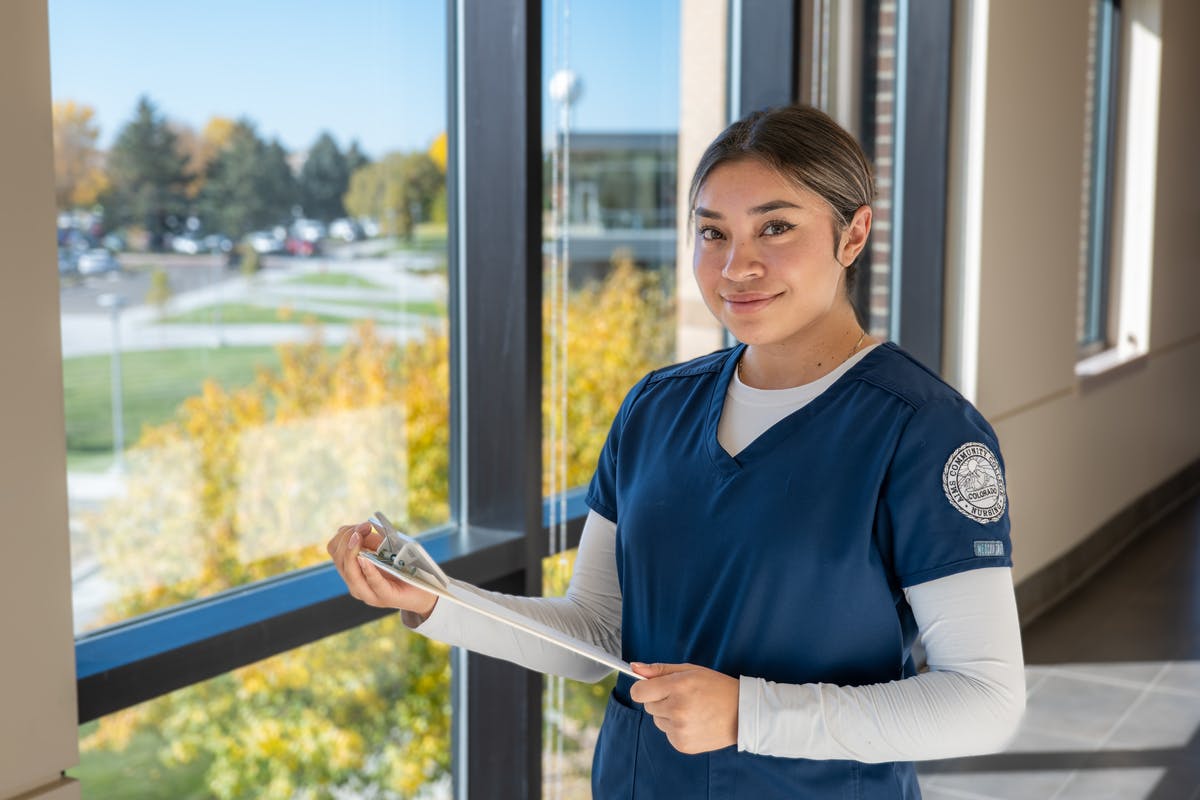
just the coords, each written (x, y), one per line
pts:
(1175, 290)
(703, 113)
(38, 731)
(1078, 452)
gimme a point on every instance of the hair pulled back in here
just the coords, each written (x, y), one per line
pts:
(804, 145)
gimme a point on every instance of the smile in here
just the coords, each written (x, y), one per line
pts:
(748, 303)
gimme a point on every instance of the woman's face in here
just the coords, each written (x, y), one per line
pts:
(764, 253)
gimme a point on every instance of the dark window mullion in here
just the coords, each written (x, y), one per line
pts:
(921, 170)
(495, 141)
(769, 70)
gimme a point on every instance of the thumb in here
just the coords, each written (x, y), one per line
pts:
(657, 670)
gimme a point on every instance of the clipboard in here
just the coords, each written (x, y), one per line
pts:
(403, 557)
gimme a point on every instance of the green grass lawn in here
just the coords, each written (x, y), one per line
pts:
(136, 773)
(425, 308)
(249, 314)
(335, 279)
(155, 383)
(430, 236)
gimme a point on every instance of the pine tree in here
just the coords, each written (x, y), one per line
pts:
(323, 180)
(148, 174)
(248, 184)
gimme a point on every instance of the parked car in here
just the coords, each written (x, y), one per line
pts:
(345, 229)
(67, 263)
(216, 243)
(97, 261)
(265, 242)
(308, 230)
(296, 246)
(187, 245)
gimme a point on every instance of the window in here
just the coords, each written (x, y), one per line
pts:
(254, 291)
(1103, 73)
(253, 274)
(611, 232)
(365, 713)
(457, 261)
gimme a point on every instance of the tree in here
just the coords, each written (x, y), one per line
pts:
(323, 180)
(355, 158)
(160, 291)
(398, 191)
(202, 148)
(248, 184)
(220, 493)
(148, 174)
(439, 151)
(79, 177)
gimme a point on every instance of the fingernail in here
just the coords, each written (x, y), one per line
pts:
(354, 539)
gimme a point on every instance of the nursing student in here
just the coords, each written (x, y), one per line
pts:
(774, 525)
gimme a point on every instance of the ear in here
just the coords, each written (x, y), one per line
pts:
(854, 237)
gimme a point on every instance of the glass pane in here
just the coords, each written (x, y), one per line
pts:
(571, 711)
(252, 252)
(365, 713)
(1098, 164)
(612, 226)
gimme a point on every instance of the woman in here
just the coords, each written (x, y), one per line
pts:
(773, 525)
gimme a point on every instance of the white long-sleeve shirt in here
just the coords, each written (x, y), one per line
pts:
(968, 701)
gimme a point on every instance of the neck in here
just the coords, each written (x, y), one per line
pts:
(784, 365)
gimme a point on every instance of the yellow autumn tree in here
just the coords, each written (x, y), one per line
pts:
(79, 177)
(202, 148)
(244, 484)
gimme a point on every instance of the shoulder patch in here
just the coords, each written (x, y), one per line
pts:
(974, 483)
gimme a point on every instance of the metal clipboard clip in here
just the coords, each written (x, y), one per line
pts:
(405, 554)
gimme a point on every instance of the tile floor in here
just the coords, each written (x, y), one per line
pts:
(1113, 682)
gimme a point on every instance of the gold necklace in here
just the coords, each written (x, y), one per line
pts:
(853, 350)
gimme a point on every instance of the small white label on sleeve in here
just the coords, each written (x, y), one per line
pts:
(992, 548)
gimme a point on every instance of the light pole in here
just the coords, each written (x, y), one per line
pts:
(114, 303)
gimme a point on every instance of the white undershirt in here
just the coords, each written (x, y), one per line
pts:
(969, 700)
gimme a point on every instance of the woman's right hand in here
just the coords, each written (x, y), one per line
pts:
(371, 585)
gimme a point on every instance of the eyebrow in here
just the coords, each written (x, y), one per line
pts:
(765, 208)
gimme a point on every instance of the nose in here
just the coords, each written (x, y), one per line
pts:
(741, 262)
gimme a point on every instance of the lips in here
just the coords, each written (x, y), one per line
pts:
(748, 303)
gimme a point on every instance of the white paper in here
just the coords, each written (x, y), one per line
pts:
(506, 616)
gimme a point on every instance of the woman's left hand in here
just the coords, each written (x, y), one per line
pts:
(697, 708)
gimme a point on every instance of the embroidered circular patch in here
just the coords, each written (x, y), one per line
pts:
(974, 483)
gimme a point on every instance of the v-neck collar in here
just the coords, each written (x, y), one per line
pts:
(728, 465)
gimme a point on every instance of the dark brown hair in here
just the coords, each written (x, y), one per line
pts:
(804, 145)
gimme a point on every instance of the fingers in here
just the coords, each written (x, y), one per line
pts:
(344, 549)
(364, 581)
(332, 545)
(658, 683)
(697, 708)
(336, 544)
(656, 670)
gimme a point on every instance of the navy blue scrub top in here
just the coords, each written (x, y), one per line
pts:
(788, 561)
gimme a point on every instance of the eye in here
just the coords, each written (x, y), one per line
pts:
(776, 227)
(710, 234)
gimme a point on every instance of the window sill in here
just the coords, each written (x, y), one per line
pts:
(1108, 364)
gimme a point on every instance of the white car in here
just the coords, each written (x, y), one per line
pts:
(97, 261)
(187, 245)
(265, 242)
(345, 229)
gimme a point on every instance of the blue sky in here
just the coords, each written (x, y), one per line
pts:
(371, 70)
